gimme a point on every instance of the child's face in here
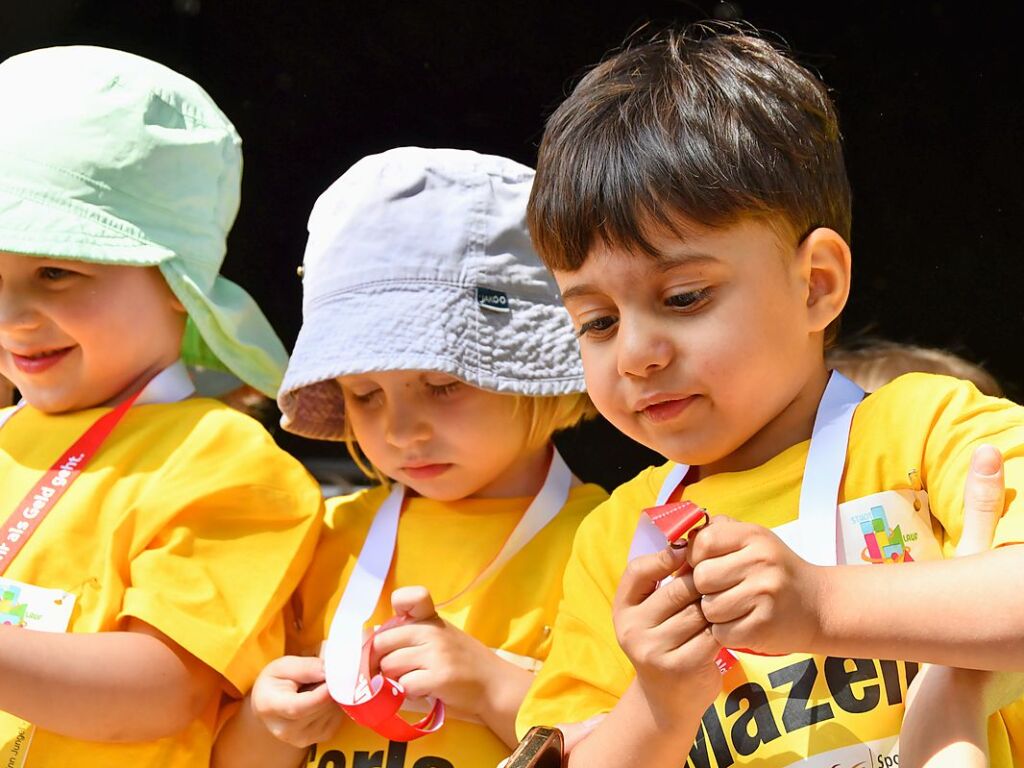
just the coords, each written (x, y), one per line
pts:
(76, 335)
(442, 437)
(711, 356)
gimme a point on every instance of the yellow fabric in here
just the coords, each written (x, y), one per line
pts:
(927, 423)
(443, 546)
(190, 519)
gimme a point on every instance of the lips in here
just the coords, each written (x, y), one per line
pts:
(39, 361)
(425, 471)
(664, 407)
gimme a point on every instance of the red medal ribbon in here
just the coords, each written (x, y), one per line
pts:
(379, 702)
(675, 520)
(27, 516)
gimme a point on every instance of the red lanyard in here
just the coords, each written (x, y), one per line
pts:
(27, 516)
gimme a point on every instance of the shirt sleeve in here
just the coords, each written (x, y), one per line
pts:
(961, 419)
(585, 672)
(240, 520)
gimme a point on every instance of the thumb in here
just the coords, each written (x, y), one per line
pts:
(984, 492)
(413, 603)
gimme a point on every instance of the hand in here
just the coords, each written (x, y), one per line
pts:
(757, 593)
(295, 716)
(664, 633)
(947, 708)
(430, 657)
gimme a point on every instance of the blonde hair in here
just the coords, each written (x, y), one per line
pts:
(545, 416)
(875, 363)
(6, 393)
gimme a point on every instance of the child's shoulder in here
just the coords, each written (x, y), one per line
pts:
(916, 397)
(201, 420)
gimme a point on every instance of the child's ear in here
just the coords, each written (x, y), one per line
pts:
(827, 255)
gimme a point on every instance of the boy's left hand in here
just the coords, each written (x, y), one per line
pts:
(757, 593)
(430, 657)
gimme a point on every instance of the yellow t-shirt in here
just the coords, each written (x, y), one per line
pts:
(916, 433)
(189, 518)
(442, 546)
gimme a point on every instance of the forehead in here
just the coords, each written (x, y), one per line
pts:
(749, 244)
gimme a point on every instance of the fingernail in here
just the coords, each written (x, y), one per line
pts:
(986, 461)
(679, 544)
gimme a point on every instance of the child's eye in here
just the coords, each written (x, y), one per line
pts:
(53, 274)
(689, 299)
(443, 390)
(365, 398)
(597, 326)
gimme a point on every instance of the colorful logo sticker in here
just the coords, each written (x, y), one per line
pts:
(11, 610)
(883, 544)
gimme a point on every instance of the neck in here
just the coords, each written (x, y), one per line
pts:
(792, 425)
(136, 385)
(524, 478)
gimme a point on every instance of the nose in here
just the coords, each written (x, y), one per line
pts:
(643, 348)
(406, 425)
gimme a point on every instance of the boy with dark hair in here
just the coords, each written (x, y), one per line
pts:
(692, 201)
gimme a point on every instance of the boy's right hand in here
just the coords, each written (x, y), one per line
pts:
(664, 633)
(291, 710)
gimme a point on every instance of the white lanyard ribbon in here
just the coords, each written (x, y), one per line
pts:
(343, 649)
(813, 535)
(171, 385)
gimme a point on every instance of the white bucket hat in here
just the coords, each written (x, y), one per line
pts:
(419, 259)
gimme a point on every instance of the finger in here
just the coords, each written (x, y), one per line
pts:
(702, 645)
(719, 537)
(401, 662)
(293, 706)
(642, 575)
(721, 573)
(682, 627)
(301, 670)
(984, 494)
(413, 603)
(403, 636)
(670, 599)
(418, 683)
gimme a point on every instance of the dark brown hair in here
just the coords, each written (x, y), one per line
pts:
(704, 124)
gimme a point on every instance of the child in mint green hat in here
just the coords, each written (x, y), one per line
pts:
(151, 536)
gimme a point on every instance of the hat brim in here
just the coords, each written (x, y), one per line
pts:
(39, 226)
(226, 328)
(423, 325)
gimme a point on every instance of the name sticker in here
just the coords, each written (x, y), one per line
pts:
(495, 301)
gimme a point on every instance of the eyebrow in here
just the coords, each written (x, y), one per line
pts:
(662, 264)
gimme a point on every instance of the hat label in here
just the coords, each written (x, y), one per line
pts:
(495, 301)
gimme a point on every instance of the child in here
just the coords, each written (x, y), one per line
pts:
(153, 585)
(434, 344)
(692, 201)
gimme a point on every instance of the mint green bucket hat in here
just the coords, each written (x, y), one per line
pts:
(111, 158)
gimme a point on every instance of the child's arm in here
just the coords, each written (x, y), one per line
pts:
(430, 657)
(945, 724)
(758, 594)
(670, 645)
(278, 721)
(133, 685)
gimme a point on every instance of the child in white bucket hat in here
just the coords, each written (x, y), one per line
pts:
(433, 342)
(119, 180)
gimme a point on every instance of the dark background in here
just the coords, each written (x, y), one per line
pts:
(929, 95)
